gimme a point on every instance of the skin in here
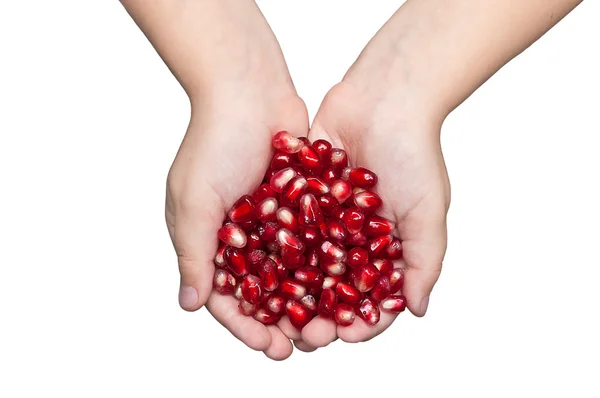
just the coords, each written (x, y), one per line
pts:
(386, 113)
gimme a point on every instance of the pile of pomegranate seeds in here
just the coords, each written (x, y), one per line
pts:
(308, 241)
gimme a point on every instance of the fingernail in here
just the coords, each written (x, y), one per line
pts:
(424, 305)
(188, 297)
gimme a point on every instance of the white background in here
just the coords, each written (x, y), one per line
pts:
(90, 120)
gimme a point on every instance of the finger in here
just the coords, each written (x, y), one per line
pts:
(360, 331)
(251, 332)
(303, 346)
(281, 347)
(286, 327)
(319, 332)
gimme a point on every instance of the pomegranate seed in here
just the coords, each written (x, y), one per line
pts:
(394, 303)
(394, 250)
(378, 226)
(276, 304)
(338, 212)
(287, 143)
(357, 257)
(354, 219)
(224, 282)
(367, 201)
(341, 190)
(219, 257)
(348, 293)
(266, 210)
(328, 203)
(289, 242)
(268, 231)
(331, 281)
(344, 314)
(327, 303)
(266, 317)
(377, 246)
(281, 160)
(381, 289)
(256, 257)
(339, 159)
(362, 177)
(310, 276)
(329, 176)
(369, 311)
(333, 267)
(310, 159)
(323, 147)
(298, 314)
(273, 247)
(287, 218)
(316, 186)
(293, 190)
(253, 241)
(311, 236)
(267, 270)
(333, 251)
(232, 235)
(312, 257)
(236, 261)
(309, 302)
(247, 308)
(252, 289)
(336, 230)
(248, 225)
(243, 210)
(292, 289)
(385, 267)
(366, 277)
(310, 213)
(359, 239)
(237, 291)
(263, 192)
(292, 260)
(281, 178)
(396, 280)
(268, 175)
(281, 269)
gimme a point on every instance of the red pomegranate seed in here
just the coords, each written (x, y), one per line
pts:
(287, 218)
(281, 160)
(369, 311)
(293, 190)
(357, 257)
(341, 190)
(224, 282)
(323, 147)
(367, 201)
(298, 314)
(289, 242)
(268, 175)
(236, 260)
(309, 302)
(366, 277)
(266, 317)
(332, 267)
(333, 251)
(378, 226)
(263, 192)
(281, 269)
(348, 293)
(311, 236)
(252, 289)
(253, 241)
(328, 204)
(310, 212)
(312, 257)
(276, 304)
(327, 303)
(344, 314)
(292, 260)
(232, 235)
(339, 159)
(336, 230)
(339, 212)
(281, 178)
(248, 225)
(381, 289)
(354, 219)
(309, 276)
(316, 186)
(268, 231)
(329, 176)
(359, 239)
(394, 303)
(237, 291)
(255, 257)
(377, 246)
(219, 257)
(292, 289)
(384, 266)
(362, 177)
(396, 280)
(331, 281)
(310, 159)
(267, 270)
(394, 250)
(286, 142)
(247, 308)
(266, 210)
(243, 210)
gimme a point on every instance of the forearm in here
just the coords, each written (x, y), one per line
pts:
(441, 51)
(208, 43)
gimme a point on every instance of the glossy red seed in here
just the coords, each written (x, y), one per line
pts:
(310, 160)
(311, 236)
(253, 241)
(287, 218)
(224, 282)
(362, 177)
(309, 276)
(359, 239)
(281, 160)
(367, 201)
(336, 230)
(327, 303)
(268, 231)
(329, 176)
(267, 270)
(332, 267)
(268, 175)
(266, 210)
(332, 251)
(310, 212)
(339, 159)
(247, 308)
(323, 147)
(262, 192)
(331, 281)
(276, 304)
(292, 261)
(232, 235)
(219, 257)
(394, 250)
(248, 225)
(328, 203)
(281, 178)
(252, 289)
(298, 314)
(396, 280)
(316, 186)
(381, 289)
(339, 212)
(236, 261)
(289, 242)
(312, 257)
(341, 190)
(378, 226)
(281, 269)
(266, 317)
(366, 277)
(377, 246)
(243, 210)
(354, 219)
(394, 303)
(286, 142)
(348, 293)
(292, 289)
(357, 257)
(369, 311)
(255, 257)
(309, 302)
(384, 266)
(344, 314)
(293, 190)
